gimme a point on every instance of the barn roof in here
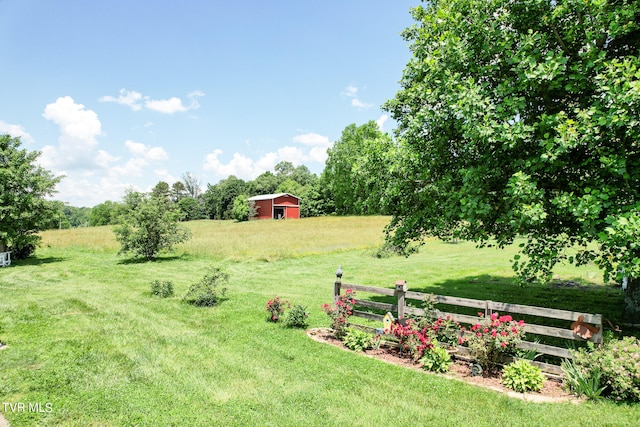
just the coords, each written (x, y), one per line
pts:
(271, 196)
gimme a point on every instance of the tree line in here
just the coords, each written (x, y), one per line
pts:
(353, 182)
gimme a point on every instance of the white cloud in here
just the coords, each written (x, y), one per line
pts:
(135, 100)
(381, 121)
(15, 131)
(79, 131)
(352, 93)
(244, 167)
(129, 98)
(359, 104)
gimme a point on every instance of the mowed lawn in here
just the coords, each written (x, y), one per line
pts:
(89, 344)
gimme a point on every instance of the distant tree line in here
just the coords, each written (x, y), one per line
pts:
(356, 181)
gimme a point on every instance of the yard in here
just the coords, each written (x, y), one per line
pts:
(91, 346)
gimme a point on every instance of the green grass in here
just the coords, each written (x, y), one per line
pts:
(86, 335)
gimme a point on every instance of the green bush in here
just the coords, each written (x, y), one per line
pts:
(297, 317)
(522, 376)
(580, 381)
(162, 289)
(436, 359)
(617, 364)
(357, 340)
(207, 291)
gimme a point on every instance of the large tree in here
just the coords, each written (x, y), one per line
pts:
(24, 187)
(357, 171)
(522, 118)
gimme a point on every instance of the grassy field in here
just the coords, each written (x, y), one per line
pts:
(87, 338)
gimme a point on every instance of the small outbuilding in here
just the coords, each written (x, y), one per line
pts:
(276, 206)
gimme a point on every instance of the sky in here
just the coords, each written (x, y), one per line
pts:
(126, 93)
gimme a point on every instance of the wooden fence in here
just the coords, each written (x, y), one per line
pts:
(401, 309)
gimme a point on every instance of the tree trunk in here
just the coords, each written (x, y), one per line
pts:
(631, 310)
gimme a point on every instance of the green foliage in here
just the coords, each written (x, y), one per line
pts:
(357, 340)
(276, 308)
(297, 317)
(162, 288)
(358, 170)
(582, 382)
(522, 376)
(494, 337)
(436, 359)
(106, 213)
(243, 209)
(24, 189)
(149, 228)
(521, 118)
(209, 290)
(191, 208)
(615, 365)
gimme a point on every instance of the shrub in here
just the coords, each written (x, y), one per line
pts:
(412, 342)
(162, 289)
(522, 376)
(445, 330)
(207, 292)
(357, 340)
(496, 336)
(436, 359)
(276, 308)
(340, 312)
(580, 381)
(617, 363)
(297, 317)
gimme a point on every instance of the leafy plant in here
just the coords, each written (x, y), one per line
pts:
(340, 312)
(357, 340)
(616, 365)
(162, 289)
(445, 330)
(496, 336)
(297, 317)
(413, 341)
(207, 291)
(436, 359)
(522, 376)
(582, 382)
(276, 308)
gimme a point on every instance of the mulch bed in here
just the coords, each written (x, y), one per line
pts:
(552, 390)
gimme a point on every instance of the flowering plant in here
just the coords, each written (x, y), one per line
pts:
(495, 336)
(412, 340)
(276, 308)
(340, 312)
(446, 331)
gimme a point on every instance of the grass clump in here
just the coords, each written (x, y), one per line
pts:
(162, 288)
(207, 292)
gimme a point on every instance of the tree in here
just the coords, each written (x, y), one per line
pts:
(521, 118)
(218, 199)
(178, 191)
(150, 228)
(161, 191)
(191, 185)
(243, 208)
(24, 187)
(106, 213)
(356, 190)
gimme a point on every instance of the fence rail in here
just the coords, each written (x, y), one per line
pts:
(401, 309)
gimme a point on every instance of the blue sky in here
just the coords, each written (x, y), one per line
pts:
(120, 94)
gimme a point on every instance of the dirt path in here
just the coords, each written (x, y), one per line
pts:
(3, 421)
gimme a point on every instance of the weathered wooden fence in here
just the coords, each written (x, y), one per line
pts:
(401, 309)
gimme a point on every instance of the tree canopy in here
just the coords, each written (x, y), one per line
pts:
(24, 187)
(522, 118)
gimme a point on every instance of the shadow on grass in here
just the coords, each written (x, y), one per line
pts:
(137, 260)
(36, 261)
(564, 295)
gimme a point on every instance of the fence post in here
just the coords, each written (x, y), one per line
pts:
(401, 289)
(487, 309)
(336, 291)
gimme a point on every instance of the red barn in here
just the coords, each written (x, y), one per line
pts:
(276, 206)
